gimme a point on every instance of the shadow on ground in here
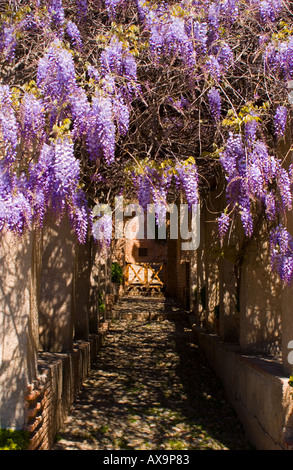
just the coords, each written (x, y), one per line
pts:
(151, 388)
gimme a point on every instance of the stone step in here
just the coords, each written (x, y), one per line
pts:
(145, 316)
(147, 309)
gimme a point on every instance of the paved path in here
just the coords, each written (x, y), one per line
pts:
(151, 388)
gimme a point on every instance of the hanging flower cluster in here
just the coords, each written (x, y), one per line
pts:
(251, 172)
(51, 118)
(215, 103)
(152, 188)
(281, 243)
(90, 70)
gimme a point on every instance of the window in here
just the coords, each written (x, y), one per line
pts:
(142, 252)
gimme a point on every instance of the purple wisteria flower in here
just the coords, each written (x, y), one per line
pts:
(101, 135)
(281, 248)
(215, 103)
(15, 207)
(233, 158)
(82, 6)
(284, 184)
(246, 215)
(65, 167)
(223, 226)
(225, 56)
(112, 57)
(250, 131)
(80, 111)
(269, 9)
(171, 39)
(159, 197)
(57, 12)
(200, 35)
(116, 60)
(121, 114)
(32, 117)
(56, 73)
(270, 206)
(102, 229)
(79, 214)
(74, 34)
(94, 73)
(280, 121)
(229, 10)
(143, 186)
(8, 41)
(178, 43)
(111, 6)
(214, 15)
(8, 124)
(214, 68)
(278, 58)
(188, 179)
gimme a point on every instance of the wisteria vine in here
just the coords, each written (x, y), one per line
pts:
(178, 89)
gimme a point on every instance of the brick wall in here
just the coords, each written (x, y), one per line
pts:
(48, 401)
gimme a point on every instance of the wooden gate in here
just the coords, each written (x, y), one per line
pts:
(145, 277)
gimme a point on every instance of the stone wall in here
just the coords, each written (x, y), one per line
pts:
(237, 294)
(247, 344)
(257, 389)
(18, 349)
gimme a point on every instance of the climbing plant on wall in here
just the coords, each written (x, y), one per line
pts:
(116, 273)
(153, 98)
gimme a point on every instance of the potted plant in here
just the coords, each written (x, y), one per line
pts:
(116, 276)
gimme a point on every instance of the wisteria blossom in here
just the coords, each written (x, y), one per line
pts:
(8, 123)
(215, 103)
(151, 98)
(280, 121)
(74, 34)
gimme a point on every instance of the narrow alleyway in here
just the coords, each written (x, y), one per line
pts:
(151, 388)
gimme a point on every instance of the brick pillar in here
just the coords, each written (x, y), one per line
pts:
(56, 289)
(18, 351)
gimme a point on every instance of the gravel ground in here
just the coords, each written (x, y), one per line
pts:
(151, 388)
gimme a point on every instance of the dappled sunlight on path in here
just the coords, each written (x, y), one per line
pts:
(151, 388)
